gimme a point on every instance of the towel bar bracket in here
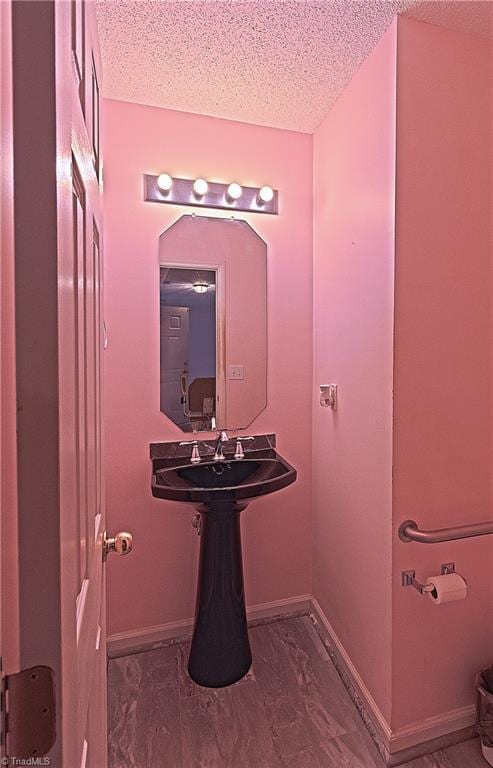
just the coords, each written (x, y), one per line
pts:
(404, 527)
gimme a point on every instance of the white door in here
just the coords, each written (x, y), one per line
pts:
(174, 362)
(59, 511)
(9, 577)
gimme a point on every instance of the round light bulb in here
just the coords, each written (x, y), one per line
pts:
(265, 194)
(200, 187)
(200, 287)
(234, 191)
(164, 182)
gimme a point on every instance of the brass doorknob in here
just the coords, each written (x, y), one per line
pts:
(121, 544)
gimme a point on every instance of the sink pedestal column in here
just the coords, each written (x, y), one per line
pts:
(220, 653)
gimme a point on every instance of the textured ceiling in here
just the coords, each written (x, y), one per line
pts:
(281, 63)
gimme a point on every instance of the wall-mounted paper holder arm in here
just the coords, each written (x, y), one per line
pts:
(409, 579)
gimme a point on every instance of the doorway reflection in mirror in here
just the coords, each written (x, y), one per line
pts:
(188, 347)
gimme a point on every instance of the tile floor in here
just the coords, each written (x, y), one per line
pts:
(290, 711)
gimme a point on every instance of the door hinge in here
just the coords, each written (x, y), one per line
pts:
(29, 712)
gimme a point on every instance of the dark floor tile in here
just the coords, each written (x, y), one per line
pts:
(225, 729)
(347, 751)
(317, 659)
(143, 710)
(302, 697)
(294, 712)
(436, 760)
(467, 754)
(187, 686)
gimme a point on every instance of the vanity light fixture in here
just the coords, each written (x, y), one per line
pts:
(265, 195)
(230, 196)
(164, 182)
(200, 187)
(200, 287)
(233, 192)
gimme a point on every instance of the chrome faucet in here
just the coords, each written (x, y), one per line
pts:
(222, 437)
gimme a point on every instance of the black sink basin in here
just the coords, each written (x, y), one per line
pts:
(220, 652)
(222, 480)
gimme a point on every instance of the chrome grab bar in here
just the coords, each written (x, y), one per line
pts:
(409, 531)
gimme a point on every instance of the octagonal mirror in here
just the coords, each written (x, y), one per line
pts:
(213, 323)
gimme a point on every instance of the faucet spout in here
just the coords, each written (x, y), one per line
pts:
(222, 437)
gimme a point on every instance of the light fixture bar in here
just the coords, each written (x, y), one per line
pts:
(181, 192)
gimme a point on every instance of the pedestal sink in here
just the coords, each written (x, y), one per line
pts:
(220, 652)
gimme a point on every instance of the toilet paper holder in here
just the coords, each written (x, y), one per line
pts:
(409, 579)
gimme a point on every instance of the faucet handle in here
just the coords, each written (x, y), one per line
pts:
(195, 458)
(239, 452)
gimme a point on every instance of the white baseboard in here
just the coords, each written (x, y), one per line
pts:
(132, 640)
(298, 604)
(122, 643)
(431, 728)
(445, 727)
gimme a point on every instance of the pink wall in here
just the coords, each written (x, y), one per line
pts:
(430, 151)
(443, 359)
(354, 154)
(156, 584)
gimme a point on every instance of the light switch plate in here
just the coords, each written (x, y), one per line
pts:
(235, 372)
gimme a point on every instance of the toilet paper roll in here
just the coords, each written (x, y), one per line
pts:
(447, 588)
